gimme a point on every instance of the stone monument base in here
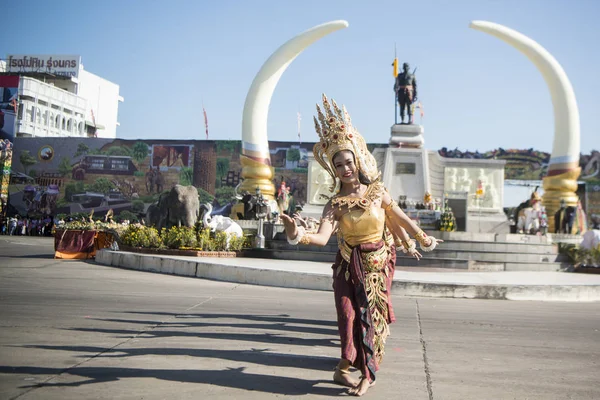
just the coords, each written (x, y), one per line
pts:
(485, 221)
(407, 135)
(404, 171)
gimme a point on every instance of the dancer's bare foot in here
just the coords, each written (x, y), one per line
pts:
(344, 378)
(361, 388)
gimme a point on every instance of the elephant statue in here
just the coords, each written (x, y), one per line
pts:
(533, 220)
(178, 207)
(221, 223)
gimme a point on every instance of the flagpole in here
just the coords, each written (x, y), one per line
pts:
(299, 119)
(395, 73)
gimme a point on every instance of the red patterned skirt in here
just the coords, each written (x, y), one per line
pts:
(362, 291)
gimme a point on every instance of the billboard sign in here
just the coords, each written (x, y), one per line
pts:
(56, 64)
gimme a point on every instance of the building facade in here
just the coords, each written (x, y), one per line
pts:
(54, 96)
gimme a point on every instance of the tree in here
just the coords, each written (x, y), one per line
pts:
(222, 167)
(27, 160)
(205, 197)
(101, 185)
(139, 152)
(118, 151)
(137, 206)
(73, 188)
(64, 167)
(228, 146)
(186, 175)
(82, 150)
(224, 195)
(293, 155)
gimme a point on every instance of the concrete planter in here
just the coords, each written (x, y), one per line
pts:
(180, 252)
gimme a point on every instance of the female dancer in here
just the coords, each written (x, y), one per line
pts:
(369, 226)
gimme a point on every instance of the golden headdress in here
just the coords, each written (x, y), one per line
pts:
(336, 133)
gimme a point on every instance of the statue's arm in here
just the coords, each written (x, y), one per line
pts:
(415, 88)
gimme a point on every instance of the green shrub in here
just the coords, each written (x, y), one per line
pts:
(148, 199)
(219, 241)
(73, 188)
(141, 236)
(204, 239)
(224, 195)
(204, 196)
(237, 243)
(186, 176)
(579, 256)
(208, 241)
(127, 216)
(179, 237)
(137, 206)
(139, 173)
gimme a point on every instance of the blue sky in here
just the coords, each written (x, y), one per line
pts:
(478, 93)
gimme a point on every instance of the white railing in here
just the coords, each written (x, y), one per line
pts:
(52, 95)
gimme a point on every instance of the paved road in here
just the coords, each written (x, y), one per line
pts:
(77, 330)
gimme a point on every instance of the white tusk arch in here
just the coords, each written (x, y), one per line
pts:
(566, 145)
(256, 108)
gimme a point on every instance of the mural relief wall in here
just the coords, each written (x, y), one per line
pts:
(70, 175)
(488, 181)
(84, 174)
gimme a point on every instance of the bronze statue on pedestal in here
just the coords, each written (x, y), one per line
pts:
(406, 92)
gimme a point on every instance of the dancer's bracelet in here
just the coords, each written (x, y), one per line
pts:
(400, 247)
(410, 246)
(422, 238)
(301, 234)
(305, 240)
(390, 206)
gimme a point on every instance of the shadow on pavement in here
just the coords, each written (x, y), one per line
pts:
(234, 378)
(46, 256)
(250, 317)
(254, 356)
(279, 326)
(262, 338)
(182, 325)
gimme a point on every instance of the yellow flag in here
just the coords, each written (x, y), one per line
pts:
(395, 64)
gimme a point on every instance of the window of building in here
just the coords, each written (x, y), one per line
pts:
(97, 163)
(119, 165)
(29, 114)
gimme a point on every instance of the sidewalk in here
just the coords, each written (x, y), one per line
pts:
(544, 286)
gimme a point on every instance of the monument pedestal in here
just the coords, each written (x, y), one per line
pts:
(404, 165)
(403, 135)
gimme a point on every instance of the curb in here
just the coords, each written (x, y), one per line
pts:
(564, 293)
(206, 269)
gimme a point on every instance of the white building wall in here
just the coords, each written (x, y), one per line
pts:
(103, 100)
(45, 110)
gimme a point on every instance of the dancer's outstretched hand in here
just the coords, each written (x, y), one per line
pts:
(290, 226)
(416, 255)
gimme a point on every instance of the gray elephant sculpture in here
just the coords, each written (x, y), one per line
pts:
(178, 207)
